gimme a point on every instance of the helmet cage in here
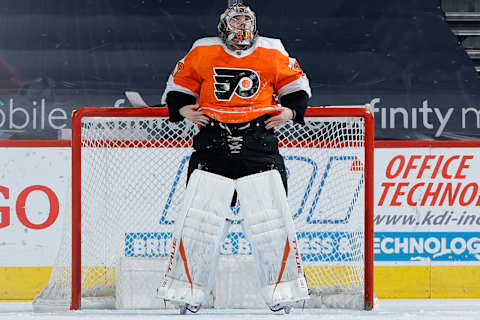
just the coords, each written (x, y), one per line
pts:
(237, 39)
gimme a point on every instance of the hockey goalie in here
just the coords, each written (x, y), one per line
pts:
(237, 87)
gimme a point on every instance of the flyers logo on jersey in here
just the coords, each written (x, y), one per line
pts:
(242, 82)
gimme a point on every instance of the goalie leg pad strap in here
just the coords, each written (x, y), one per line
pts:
(199, 230)
(269, 227)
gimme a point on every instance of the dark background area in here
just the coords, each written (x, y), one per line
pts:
(67, 54)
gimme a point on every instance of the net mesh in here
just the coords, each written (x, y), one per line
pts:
(133, 178)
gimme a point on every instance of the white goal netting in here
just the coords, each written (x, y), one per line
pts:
(133, 174)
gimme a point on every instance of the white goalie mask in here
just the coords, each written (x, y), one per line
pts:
(238, 27)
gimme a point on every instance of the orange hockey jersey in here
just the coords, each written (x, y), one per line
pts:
(237, 86)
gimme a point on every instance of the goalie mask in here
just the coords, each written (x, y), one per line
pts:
(238, 27)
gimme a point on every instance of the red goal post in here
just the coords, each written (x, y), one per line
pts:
(363, 127)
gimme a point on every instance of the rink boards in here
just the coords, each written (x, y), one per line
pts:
(426, 250)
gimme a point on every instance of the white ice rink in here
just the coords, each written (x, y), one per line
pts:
(385, 310)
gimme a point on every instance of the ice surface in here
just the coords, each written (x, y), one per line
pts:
(385, 310)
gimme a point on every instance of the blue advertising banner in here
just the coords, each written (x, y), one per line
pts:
(321, 247)
(335, 246)
(432, 246)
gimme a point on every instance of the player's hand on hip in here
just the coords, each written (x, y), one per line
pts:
(279, 119)
(192, 112)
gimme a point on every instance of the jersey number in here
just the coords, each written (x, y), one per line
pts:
(242, 82)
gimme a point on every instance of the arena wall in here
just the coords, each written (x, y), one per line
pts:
(427, 217)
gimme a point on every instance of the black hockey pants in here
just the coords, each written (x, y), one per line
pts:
(237, 150)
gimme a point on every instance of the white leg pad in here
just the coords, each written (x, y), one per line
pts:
(199, 230)
(269, 227)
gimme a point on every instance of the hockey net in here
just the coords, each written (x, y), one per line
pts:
(129, 174)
